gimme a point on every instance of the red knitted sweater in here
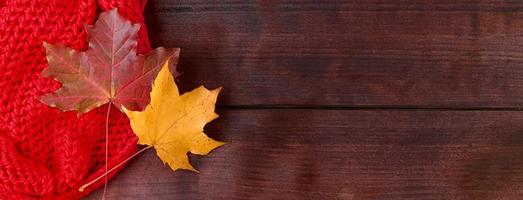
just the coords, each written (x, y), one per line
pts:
(44, 153)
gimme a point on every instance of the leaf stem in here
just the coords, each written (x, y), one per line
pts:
(106, 147)
(81, 189)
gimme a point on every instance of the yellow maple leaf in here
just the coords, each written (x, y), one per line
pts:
(173, 124)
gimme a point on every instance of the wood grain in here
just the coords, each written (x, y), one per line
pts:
(342, 154)
(405, 99)
(406, 53)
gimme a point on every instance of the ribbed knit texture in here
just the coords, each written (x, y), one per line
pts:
(45, 153)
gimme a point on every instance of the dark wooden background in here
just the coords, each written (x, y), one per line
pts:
(354, 99)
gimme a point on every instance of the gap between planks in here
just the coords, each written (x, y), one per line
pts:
(363, 107)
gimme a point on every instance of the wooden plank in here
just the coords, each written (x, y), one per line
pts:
(343, 154)
(443, 53)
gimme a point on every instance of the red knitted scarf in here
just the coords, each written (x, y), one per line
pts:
(44, 153)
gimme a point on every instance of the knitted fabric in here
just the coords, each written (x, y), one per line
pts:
(45, 153)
